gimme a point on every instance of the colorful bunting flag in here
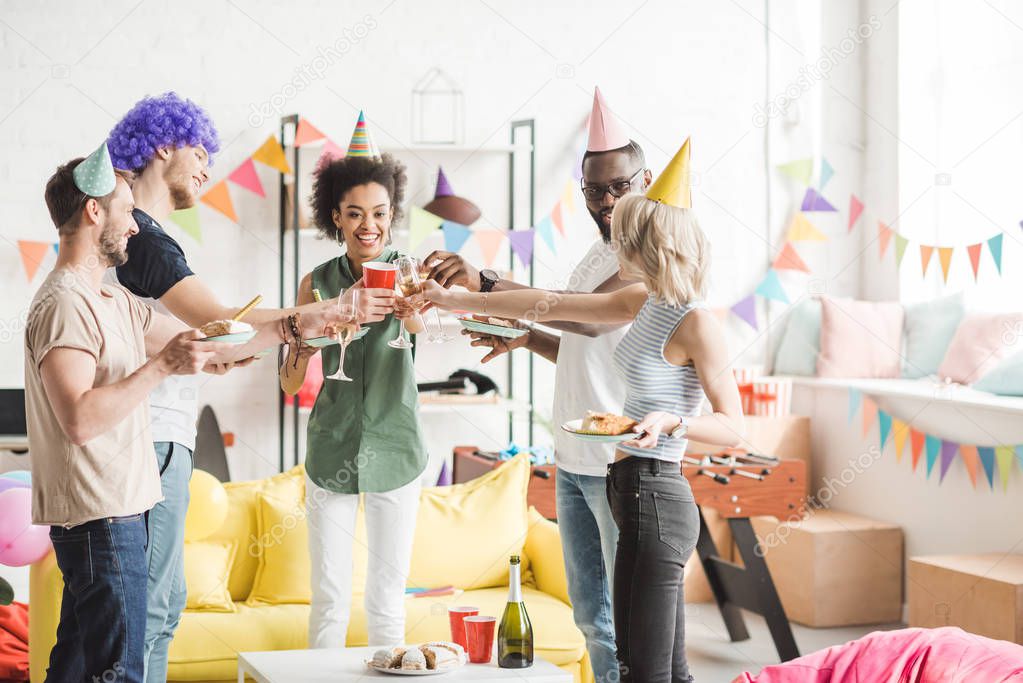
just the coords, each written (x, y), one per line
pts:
(246, 176)
(995, 245)
(948, 453)
(272, 154)
(916, 444)
(421, 224)
(884, 422)
(855, 209)
(556, 218)
(306, 133)
(925, 256)
(855, 399)
(219, 198)
(455, 236)
(32, 254)
(490, 243)
(987, 460)
(56, 247)
(814, 201)
(801, 229)
(945, 258)
(568, 195)
(522, 244)
(545, 228)
(932, 445)
(770, 287)
(788, 259)
(800, 170)
(826, 172)
(900, 248)
(1003, 454)
(869, 414)
(970, 459)
(974, 251)
(884, 236)
(900, 430)
(747, 310)
(1019, 455)
(331, 151)
(188, 220)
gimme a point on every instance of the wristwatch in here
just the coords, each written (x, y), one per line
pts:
(682, 430)
(488, 279)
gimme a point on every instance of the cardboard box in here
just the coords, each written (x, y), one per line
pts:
(834, 568)
(785, 437)
(694, 581)
(982, 594)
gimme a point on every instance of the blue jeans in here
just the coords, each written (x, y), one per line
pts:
(165, 557)
(103, 606)
(589, 538)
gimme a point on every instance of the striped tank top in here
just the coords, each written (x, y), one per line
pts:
(652, 382)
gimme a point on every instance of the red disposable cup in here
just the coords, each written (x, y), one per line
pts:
(377, 275)
(479, 631)
(455, 616)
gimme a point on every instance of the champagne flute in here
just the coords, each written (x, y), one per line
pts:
(412, 291)
(440, 337)
(345, 331)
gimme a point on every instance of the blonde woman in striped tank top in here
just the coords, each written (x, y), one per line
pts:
(673, 359)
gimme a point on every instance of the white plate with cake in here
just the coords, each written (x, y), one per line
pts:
(602, 428)
(227, 331)
(494, 326)
(428, 659)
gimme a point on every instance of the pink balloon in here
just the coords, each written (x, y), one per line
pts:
(6, 483)
(21, 541)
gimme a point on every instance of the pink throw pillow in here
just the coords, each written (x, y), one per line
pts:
(980, 342)
(860, 338)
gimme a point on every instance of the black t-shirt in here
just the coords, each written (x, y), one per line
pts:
(155, 260)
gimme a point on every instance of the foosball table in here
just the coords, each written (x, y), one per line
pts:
(740, 485)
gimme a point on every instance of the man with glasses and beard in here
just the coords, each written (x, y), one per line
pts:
(612, 167)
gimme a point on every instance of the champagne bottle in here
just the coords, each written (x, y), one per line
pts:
(515, 636)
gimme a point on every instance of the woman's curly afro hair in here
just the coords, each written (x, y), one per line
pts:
(163, 121)
(332, 180)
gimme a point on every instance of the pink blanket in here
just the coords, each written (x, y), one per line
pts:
(912, 655)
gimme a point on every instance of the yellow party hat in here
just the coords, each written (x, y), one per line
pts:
(672, 186)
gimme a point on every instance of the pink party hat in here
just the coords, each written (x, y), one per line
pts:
(443, 186)
(362, 144)
(606, 131)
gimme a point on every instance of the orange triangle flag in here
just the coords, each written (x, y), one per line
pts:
(556, 218)
(925, 256)
(272, 154)
(219, 198)
(974, 252)
(945, 256)
(788, 259)
(32, 254)
(306, 133)
(916, 444)
(900, 430)
(490, 242)
(970, 459)
(869, 414)
(884, 236)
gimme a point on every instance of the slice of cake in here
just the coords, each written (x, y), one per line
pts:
(216, 328)
(606, 424)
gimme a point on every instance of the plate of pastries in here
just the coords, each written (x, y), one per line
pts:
(428, 659)
(230, 331)
(602, 427)
(497, 327)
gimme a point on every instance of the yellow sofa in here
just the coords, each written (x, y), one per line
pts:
(464, 536)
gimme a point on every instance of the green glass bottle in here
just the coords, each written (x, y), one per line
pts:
(515, 635)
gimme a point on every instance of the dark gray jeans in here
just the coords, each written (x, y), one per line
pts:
(658, 525)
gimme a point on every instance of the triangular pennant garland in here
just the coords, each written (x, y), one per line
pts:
(219, 198)
(945, 259)
(900, 430)
(932, 445)
(788, 259)
(970, 459)
(331, 151)
(272, 154)
(884, 422)
(306, 133)
(522, 244)
(801, 229)
(246, 176)
(490, 243)
(869, 414)
(770, 287)
(900, 248)
(995, 245)
(948, 454)
(884, 236)
(557, 219)
(800, 170)
(421, 224)
(747, 310)
(1003, 454)
(814, 201)
(974, 251)
(826, 173)
(925, 256)
(545, 228)
(855, 209)
(188, 220)
(855, 400)
(32, 255)
(916, 445)
(455, 236)
(987, 461)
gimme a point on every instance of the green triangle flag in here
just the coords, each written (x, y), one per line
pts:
(995, 245)
(900, 248)
(421, 224)
(188, 219)
(1004, 456)
(800, 170)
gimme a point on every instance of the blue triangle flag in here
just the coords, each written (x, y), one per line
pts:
(56, 247)
(455, 236)
(826, 172)
(884, 421)
(987, 459)
(933, 446)
(995, 245)
(545, 228)
(770, 287)
(855, 399)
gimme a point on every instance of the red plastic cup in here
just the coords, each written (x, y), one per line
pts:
(377, 275)
(479, 631)
(455, 616)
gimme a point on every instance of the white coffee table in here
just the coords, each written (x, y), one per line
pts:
(349, 664)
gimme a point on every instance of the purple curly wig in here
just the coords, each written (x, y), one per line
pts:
(166, 120)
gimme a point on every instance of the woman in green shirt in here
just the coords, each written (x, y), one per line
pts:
(363, 436)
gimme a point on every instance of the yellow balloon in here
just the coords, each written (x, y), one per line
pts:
(207, 507)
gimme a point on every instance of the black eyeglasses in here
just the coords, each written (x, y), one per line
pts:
(618, 189)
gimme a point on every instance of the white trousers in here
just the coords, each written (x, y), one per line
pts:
(390, 528)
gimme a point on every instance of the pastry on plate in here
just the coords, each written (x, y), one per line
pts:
(217, 328)
(500, 322)
(443, 654)
(606, 424)
(413, 660)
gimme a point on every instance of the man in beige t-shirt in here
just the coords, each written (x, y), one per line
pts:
(93, 353)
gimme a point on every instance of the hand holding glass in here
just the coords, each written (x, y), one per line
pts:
(346, 329)
(412, 291)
